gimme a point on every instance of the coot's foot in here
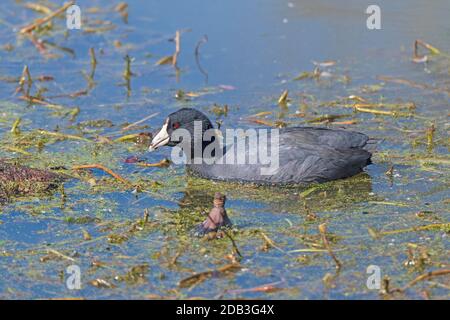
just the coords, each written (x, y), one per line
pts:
(216, 219)
(204, 229)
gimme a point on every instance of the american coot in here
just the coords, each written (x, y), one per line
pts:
(304, 155)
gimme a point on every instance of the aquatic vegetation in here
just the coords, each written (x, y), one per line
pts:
(17, 180)
(127, 218)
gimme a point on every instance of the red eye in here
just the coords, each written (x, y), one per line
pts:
(175, 125)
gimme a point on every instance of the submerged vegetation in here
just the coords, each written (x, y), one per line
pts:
(78, 187)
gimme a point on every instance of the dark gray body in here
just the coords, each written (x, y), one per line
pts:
(306, 155)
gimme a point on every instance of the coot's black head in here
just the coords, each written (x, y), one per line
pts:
(185, 118)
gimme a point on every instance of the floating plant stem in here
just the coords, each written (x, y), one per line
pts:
(173, 59)
(90, 77)
(432, 49)
(15, 149)
(63, 135)
(177, 49)
(93, 63)
(146, 215)
(164, 60)
(40, 46)
(38, 7)
(105, 169)
(49, 17)
(130, 126)
(162, 164)
(282, 100)
(127, 137)
(25, 78)
(323, 231)
(430, 227)
(413, 84)
(430, 136)
(422, 277)
(379, 112)
(270, 242)
(15, 127)
(60, 255)
(122, 8)
(202, 276)
(35, 100)
(69, 51)
(127, 74)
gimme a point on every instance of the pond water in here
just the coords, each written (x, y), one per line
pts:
(242, 55)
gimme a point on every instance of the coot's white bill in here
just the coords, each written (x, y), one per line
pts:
(161, 139)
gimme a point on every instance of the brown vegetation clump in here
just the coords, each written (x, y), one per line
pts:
(17, 180)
